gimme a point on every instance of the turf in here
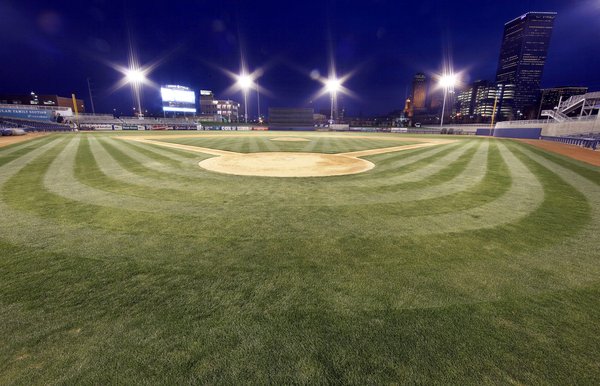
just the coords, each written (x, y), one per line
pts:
(467, 263)
(315, 144)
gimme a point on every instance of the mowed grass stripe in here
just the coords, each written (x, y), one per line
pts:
(325, 144)
(10, 153)
(466, 170)
(523, 197)
(462, 175)
(97, 168)
(59, 179)
(470, 189)
(158, 163)
(588, 171)
(396, 167)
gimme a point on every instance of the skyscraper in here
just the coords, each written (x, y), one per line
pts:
(523, 55)
(419, 92)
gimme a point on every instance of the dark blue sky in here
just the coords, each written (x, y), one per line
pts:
(53, 46)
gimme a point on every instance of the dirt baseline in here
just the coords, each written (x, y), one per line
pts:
(9, 140)
(287, 164)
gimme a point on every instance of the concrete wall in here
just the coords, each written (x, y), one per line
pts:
(557, 129)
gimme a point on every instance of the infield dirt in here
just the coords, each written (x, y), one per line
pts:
(9, 140)
(288, 164)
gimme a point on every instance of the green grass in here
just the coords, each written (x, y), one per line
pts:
(469, 263)
(314, 144)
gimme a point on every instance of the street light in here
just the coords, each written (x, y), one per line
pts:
(333, 85)
(245, 83)
(446, 81)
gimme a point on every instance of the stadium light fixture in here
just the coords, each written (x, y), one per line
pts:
(245, 83)
(134, 75)
(333, 85)
(447, 81)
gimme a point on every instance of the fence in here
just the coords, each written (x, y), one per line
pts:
(589, 143)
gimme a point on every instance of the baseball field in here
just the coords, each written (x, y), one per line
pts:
(283, 258)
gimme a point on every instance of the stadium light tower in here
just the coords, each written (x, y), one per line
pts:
(245, 83)
(136, 78)
(447, 81)
(332, 85)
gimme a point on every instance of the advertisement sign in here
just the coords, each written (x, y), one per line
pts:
(25, 113)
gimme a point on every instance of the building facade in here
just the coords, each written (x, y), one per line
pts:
(227, 110)
(224, 110)
(207, 105)
(284, 118)
(483, 99)
(522, 58)
(33, 99)
(419, 93)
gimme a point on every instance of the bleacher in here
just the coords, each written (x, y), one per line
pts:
(30, 125)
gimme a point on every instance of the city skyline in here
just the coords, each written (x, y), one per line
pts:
(383, 56)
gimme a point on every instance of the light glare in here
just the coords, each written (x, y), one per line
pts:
(333, 85)
(135, 76)
(244, 81)
(448, 81)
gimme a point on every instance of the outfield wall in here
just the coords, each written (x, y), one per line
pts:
(555, 129)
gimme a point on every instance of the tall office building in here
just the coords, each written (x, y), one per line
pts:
(522, 57)
(419, 93)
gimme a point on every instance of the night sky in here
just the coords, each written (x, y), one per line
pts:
(51, 47)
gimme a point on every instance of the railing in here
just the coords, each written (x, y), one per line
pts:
(556, 115)
(589, 143)
(525, 122)
(575, 99)
(571, 102)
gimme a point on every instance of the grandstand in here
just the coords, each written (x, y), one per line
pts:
(30, 125)
(576, 107)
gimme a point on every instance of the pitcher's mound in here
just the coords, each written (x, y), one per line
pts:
(290, 139)
(283, 164)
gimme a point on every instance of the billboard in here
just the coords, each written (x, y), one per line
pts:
(26, 113)
(178, 99)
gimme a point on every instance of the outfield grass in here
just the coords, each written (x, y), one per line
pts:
(474, 262)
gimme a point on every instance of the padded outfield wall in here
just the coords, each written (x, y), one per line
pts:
(556, 129)
(514, 132)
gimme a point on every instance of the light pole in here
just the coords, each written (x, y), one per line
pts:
(245, 83)
(332, 85)
(446, 81)
(136, 78)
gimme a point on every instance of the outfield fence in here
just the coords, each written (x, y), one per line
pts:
(589, 143)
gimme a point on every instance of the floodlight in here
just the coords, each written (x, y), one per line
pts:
(333, 85)
(244, 81)
(135, 76)
(448, 81)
